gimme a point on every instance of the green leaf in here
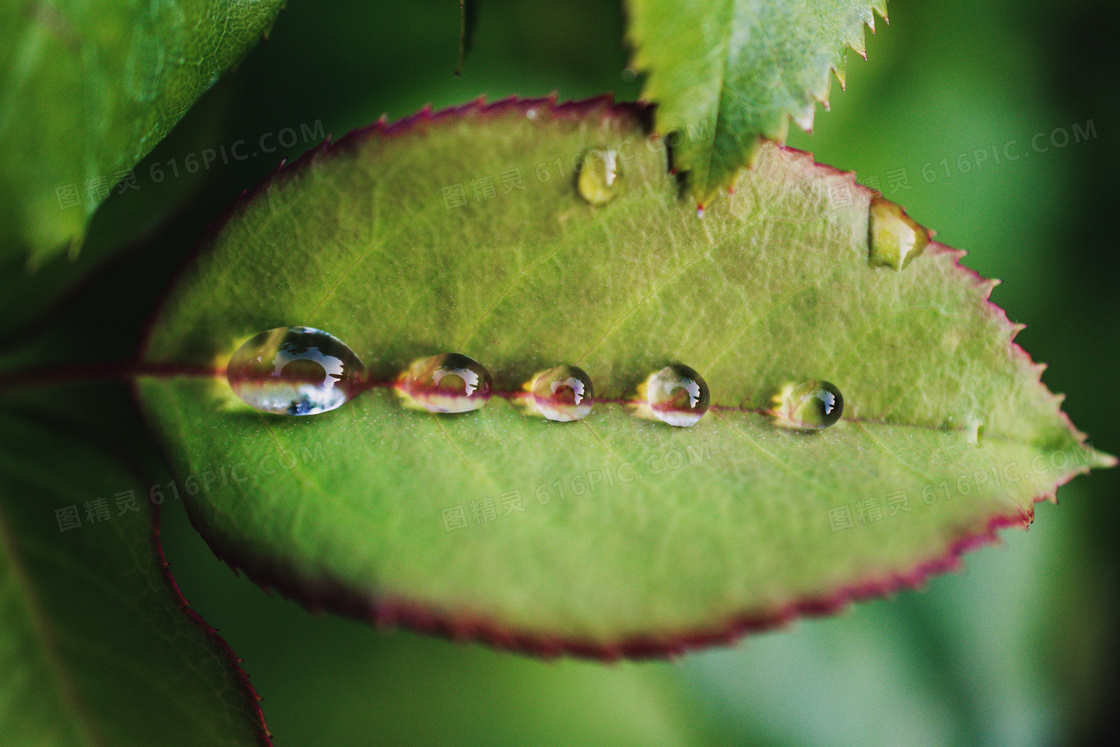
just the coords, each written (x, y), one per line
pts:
(636, 537)
(87, 89)
(725, 73)
(125, 222)
(96, 644)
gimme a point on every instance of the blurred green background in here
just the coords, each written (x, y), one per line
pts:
(1020, 648)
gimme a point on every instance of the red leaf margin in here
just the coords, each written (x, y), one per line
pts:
(325, 594)
(218, 644)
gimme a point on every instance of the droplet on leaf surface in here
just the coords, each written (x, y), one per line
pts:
(600, 179)
(295, 371)
(812, 405)
(450, 382)
(563, 393)
(894, 236)
(973, 430)
(677, 395)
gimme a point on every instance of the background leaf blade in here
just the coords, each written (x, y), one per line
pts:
(86, 90)
(98, 646)
(725, 74)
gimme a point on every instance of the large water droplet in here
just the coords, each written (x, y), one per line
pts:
(295, 371)
(563, 393)
(894, 236)
(600, 179)
(447, 383)
(677, 395)
(813, 405)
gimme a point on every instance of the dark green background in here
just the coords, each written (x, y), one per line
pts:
(1018, 649)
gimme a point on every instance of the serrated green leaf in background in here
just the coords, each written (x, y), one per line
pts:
(86, 89)
(96, 644)
(726, 73)
(613, 534)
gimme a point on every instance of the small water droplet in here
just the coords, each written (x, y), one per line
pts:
(813, 405)
(563, 393)
(447, 383)
(973, 430)
(894, 236)
(600, 179)
(295, 371)
(677, 395)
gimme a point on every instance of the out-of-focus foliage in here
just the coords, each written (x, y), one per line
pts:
(1028, 623)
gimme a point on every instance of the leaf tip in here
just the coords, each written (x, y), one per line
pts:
(804, 118)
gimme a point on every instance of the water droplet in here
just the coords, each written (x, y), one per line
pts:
(563, 393)
(973, 430)
(677, 395)
(894, 236)
(600, 179)
(813, 405)
(447, 383)
(295, 371)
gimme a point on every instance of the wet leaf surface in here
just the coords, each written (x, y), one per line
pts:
(465, 232)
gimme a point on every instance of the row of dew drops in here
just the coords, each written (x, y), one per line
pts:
(305, 371)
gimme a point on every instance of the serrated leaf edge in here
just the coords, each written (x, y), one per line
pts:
(217, 643)
(804, 117)
(321, 593)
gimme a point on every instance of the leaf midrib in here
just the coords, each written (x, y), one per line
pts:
(721, 86)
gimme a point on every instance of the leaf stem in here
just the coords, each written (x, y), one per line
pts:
(87, 373)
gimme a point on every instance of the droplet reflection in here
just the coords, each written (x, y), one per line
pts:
(450, 382)
(677, 395)
(295, 371)
(563, 393)
(600, 179)
(894, 237)
(812, 405)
